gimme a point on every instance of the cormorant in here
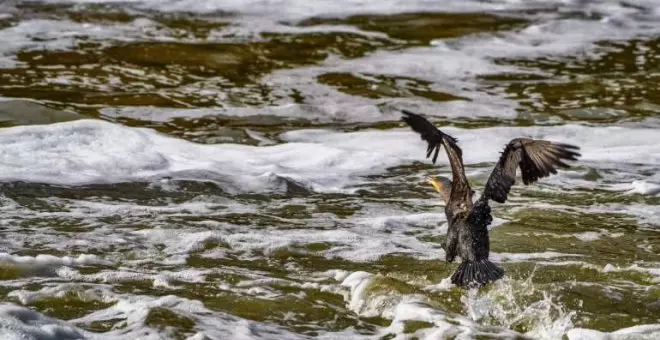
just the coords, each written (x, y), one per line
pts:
(467, 234)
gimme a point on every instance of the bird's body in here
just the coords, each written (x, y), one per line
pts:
(467, 234)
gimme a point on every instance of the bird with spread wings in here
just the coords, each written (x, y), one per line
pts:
(467, 234)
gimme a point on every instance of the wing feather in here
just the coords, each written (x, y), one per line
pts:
(536, 159)
(429, 133)
(435, 139)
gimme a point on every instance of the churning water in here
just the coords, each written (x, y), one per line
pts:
(179, 169)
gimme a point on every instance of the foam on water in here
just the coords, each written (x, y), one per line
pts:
(355, 243)
(598, 144)
(499, 307)
(301, 8)
(456, 75)
(96, 152)
(42, 34)
(545, 318)
(640, 332)
(557, 37)
(644, 188)
(49, 260)
(645, 214)
(462, 59)
(517, 257)
(92, 151)
(20, 323)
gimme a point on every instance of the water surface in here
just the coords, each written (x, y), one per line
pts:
(238, 169)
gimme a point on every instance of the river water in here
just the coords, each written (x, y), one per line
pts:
(179, 169)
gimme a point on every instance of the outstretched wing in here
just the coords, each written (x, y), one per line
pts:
(435, 138)
(429, 133)
(536, 159)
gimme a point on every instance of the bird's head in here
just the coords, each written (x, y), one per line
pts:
(442, 185)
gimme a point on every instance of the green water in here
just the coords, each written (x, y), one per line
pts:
(612, 88)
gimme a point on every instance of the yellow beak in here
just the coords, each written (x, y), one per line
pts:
(435, 183)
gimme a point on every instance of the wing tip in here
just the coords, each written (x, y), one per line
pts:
(452, 138)
(568, 146)
(408, 115)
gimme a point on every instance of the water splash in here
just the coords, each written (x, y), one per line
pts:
(520, 306)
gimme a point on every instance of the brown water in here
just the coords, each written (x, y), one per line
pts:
(271, 191)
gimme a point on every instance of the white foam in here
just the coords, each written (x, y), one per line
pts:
(357, 282)
(598, 144)
(557, 37)
(20, 323)
(299, 8)
(462, 58)
(518, 257)
(502, 306)
(198, 206)
(161, 278)
(293, 9)
(43, 34)
(644, 188)
(646, 268)
(359, 244)
(96, 152)
(50, 260)
(418, 63)
(325, 104)
(87, 151)
(639, 332)
(208, 323)
(497, 303)
(455, 75)
(644, 213)
(347, 111)
(465, 58)
(360, 238)
(394, 222)
(588, 236)
(28, 297)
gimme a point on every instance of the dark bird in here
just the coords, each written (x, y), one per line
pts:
(467, 234)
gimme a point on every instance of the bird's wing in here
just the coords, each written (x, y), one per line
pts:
(435, 139)
(536, 159)
(427, 132)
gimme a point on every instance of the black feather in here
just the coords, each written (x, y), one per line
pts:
(476, 273)
(429, 133)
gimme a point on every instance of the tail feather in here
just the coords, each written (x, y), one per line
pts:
(476, 273)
